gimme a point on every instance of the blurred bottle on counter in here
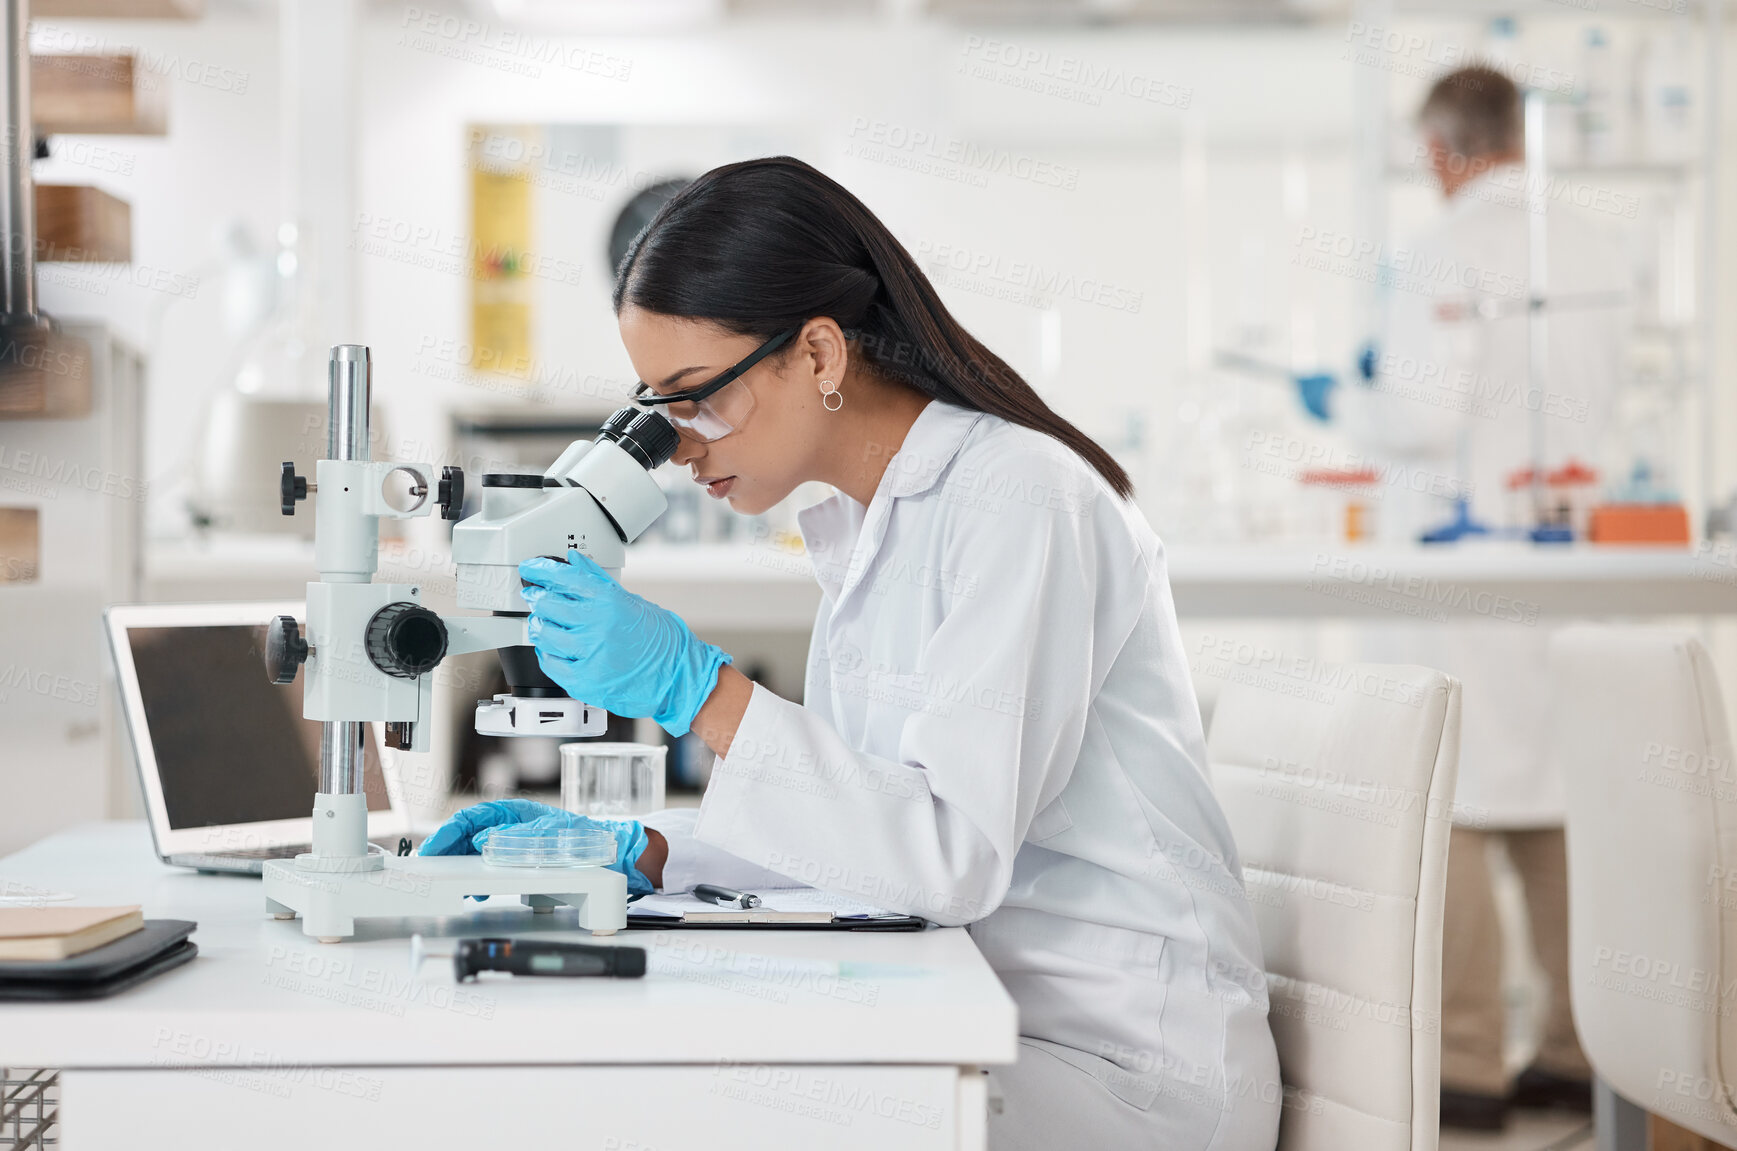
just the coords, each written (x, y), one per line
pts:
(681, 523)
(1601, 113)
(1558, 510)
(1132, 452)
(1644, 510)
(1500, 48)
(695, 518)
(1200, 475)
(1501, 43)
(1664, 95)
(1340, 504)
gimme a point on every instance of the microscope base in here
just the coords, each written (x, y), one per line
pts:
(329, 903)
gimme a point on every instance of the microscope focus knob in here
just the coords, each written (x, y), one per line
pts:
(405, 640)
(285, 649)
(450, 494)
(292, 488)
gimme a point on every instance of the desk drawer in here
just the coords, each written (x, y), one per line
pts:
(723, 1107)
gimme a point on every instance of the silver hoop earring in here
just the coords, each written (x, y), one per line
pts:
(829, 392)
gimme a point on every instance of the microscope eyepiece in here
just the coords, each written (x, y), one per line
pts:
(647, 436)
(618, 421)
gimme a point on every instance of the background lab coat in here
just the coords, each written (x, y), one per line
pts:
(1467, 417)
(1000, 730)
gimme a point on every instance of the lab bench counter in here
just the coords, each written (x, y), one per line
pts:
(762, 586)
(753, 1030)
(1516, 582)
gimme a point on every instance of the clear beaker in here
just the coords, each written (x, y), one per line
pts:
(612, 780)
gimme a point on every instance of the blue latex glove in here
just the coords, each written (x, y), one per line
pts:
(608, 647)
(467, 831)
(1314, 391)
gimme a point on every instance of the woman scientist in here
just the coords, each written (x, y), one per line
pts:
(999, 727)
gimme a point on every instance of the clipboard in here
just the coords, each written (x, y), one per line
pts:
(776, 921)
(795, 909)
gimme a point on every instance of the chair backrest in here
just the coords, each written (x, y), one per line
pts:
(1339, 789)
(1652, 868)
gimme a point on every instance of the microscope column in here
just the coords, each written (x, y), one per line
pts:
(341, 807)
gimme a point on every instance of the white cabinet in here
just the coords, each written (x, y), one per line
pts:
(63, 755)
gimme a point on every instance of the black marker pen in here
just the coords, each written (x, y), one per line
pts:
(724, 897)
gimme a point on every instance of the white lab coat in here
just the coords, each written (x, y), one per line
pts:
(1454, 400)
(1000, 731)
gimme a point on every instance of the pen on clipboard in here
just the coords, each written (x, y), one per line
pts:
(724, 897)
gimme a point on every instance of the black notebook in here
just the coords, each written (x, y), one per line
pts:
(159, 946)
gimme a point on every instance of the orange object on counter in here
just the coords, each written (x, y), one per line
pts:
(1338, 477)
(1640, 524)
(1359, 522)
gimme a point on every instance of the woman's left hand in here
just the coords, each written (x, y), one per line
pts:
(467, 831)
(608, 647)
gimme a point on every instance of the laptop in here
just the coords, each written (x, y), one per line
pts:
(227, 765)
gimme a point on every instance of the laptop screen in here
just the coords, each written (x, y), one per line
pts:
(231, 746)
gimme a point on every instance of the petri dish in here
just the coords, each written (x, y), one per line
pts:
(549, 847)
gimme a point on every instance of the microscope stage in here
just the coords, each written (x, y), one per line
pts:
(329, 902)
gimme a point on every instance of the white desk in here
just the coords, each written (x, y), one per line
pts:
(271, 1040)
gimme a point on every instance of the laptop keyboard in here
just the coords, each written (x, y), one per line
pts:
(289, 851)
(286, 851)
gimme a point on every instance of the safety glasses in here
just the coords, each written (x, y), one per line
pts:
(714, 409)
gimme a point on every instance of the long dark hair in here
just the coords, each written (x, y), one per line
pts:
(765, 245)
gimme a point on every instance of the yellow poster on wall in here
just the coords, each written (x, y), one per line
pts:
(501, 295)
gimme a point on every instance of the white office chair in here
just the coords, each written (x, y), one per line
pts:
(1339, 793)
(1652, 875)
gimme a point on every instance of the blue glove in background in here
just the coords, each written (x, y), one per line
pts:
(467, 831)
(1368, 359)
(1314, 391)
(608, 647)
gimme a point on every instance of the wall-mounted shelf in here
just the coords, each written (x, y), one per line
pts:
(45, 375)
(20, 544)
(117, 9)
(80, 224)
(94, 95)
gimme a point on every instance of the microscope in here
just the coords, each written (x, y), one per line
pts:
(370, 648)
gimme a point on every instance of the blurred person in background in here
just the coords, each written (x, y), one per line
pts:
(1445, 393)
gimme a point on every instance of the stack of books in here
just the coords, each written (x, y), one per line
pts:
(43, 933)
